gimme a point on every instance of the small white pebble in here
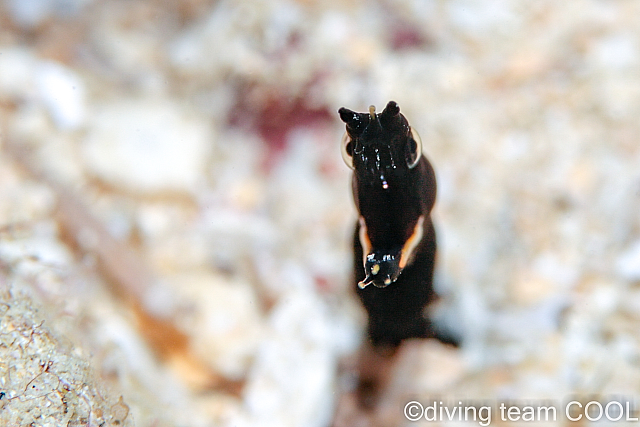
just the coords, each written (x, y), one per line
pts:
(628, 264)
(63, 94)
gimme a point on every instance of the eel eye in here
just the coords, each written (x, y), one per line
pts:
(413, 149)
(346, 148)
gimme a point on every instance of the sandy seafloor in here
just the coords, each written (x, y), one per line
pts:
(212, 286)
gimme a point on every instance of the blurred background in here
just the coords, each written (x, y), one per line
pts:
(174, 208)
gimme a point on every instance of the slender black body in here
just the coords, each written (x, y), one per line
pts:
(394, 190)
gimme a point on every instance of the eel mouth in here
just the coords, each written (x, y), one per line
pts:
(383, 267)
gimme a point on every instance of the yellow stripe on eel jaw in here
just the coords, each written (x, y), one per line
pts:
(412, 242)
(364, 241)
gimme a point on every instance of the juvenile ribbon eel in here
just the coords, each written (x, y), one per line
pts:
(394, 189)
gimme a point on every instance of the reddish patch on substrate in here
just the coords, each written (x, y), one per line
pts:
(273, 117)
(404, 37)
